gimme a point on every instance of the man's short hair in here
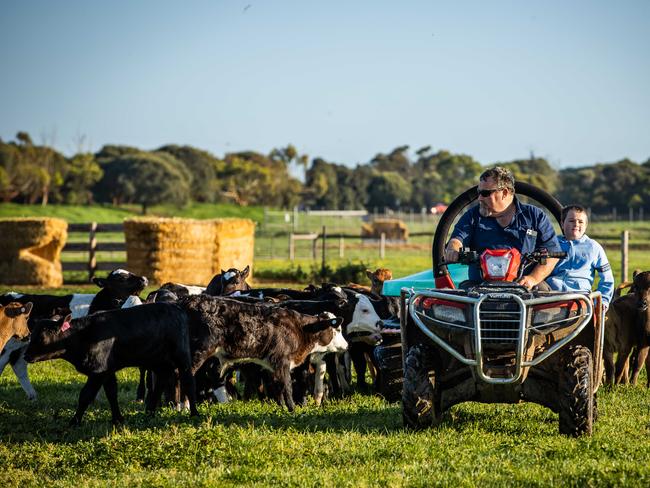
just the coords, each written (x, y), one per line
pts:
(575, 207)
(502, 176)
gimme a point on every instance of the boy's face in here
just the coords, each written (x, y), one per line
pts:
(574, 225)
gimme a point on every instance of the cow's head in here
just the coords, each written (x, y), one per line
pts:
(14, 316)
(377, 279)
(121, 283)
(365, 324)
(328, 334)
(48, 338)
(228, 282)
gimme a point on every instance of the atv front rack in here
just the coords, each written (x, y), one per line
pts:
(500, 320)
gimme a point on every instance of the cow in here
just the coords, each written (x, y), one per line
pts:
(181, 290)
(376, 278)
(153, 335)
(627, 326)
(13, 321)
(228, 282)
(119, 288)
(115, 289)
(276, 338)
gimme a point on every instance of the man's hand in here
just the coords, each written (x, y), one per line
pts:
(528, 281)
(451, 251)
(451, 256)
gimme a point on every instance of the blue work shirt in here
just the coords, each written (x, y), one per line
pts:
(529, 230)
(577, 271)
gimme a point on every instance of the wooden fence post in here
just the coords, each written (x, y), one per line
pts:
(92, 248)
(323, 263)
(625, 238)
(292, 253)
(382, 245)
(341, 247)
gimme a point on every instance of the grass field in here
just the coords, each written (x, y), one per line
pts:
(358, 441)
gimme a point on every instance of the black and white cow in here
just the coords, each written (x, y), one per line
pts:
(153, 336)
(119, 288)
(228, 282)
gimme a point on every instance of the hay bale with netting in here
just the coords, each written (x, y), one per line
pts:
(30, 251)
(234, 244)
(170, 249)
(394, 229)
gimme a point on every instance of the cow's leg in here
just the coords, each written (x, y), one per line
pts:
(110, 388)
(641, 356)
(142, 386)
(622, 365)
(319, 388)
(282, 378)
(188, 388)
(359, 362)
(161, 376)
(4, 360)
(608, 358)
(20, 369)
(86, 396)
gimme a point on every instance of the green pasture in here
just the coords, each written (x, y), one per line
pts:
(357, 441)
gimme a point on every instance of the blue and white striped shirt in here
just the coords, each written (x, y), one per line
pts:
(577, 271)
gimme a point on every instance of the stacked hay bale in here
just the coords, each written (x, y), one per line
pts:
(394, 229)
(187, 250)
(234, 244)
(30, 251)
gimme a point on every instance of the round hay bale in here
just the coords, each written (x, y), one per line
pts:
(394, 229)
(170, 249)
(30, 251)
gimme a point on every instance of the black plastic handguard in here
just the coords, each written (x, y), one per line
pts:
(542, 255)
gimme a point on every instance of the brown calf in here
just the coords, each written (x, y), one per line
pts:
(13, 321)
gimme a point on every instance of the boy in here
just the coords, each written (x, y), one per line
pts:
(584, 257)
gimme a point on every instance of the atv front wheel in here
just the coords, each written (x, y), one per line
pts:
(420, 403)
(576, 392)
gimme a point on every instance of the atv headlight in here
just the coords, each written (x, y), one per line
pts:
(446, 313)
(550, 315)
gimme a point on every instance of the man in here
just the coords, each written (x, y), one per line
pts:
(584, 258)
(501, 221)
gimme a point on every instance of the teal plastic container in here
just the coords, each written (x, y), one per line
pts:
(423, 279)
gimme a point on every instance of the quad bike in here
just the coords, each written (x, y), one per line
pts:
(496, 341)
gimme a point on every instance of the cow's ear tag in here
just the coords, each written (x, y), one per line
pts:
(65, 326)
(22, 309)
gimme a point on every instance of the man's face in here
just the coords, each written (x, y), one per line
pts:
(574, 225)
(496, 202)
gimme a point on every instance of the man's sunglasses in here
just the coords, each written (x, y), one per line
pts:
(487, 193)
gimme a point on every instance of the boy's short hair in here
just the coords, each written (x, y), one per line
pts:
(568, 208)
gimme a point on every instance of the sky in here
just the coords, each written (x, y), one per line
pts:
(341, 80)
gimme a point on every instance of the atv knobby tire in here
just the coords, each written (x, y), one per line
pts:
(420, 406)
(575, 389)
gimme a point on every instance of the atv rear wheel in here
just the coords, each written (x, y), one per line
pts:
(420, 400)
(576, 392)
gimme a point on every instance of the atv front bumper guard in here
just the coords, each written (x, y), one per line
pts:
(524, 327)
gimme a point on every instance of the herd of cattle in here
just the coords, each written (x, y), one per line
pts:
(193, 343)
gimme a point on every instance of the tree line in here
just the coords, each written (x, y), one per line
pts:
(116, 174)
